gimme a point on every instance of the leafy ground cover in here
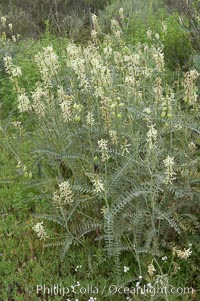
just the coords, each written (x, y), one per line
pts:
(25, 263)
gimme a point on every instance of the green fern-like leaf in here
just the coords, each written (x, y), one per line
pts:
(66, 245)
(53, 218)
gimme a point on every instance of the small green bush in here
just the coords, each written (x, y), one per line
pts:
(177, 46)
(188, 18)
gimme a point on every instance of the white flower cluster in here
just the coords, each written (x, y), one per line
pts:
(158, 56)
(94, 67)
(149, 34)
(12, 70)
(121, 13)
(76, 62)
(17, 125)
(64, 195)
(39, 96)
(104, 210)
(96, 27)
(190, 88)
(3, 20)
(151, 269)
(113, 137)
(106, 110)
(90, 119)
(126, 269)
(103, 146)
(23, 101)
(167, 102)
(92, 71)
(169, 172)
(115, 28)
(101, 77)
(66, 110)
(152, 137)
(185, 254)
(98, 184)
(95, 22)
(40, 231)
(48, 64)
(92, 299)
(65, 103)
(158, 90)
(77, 268)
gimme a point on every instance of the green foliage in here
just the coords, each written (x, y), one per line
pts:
(25, 263)
(196, 62)
(188, 18)
(132, 9)
(7, 100)
(177, 46)
(141, 16)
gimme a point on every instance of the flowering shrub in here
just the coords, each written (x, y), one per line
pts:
(118, 140)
